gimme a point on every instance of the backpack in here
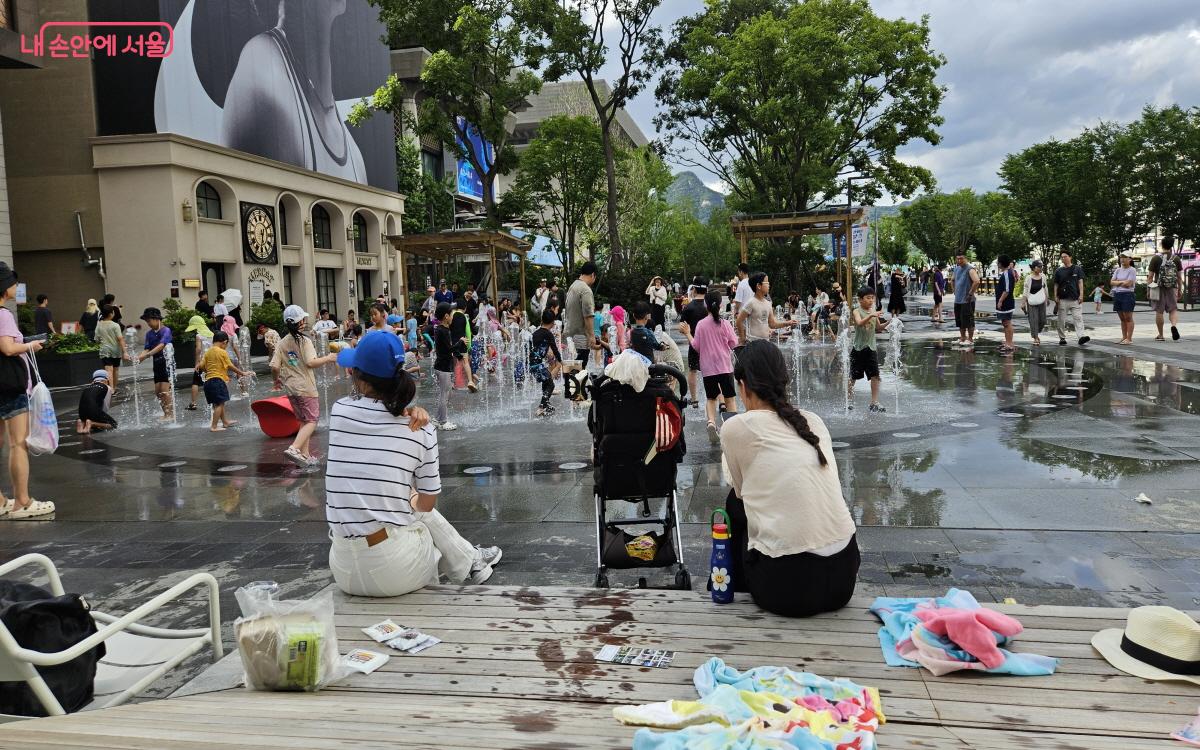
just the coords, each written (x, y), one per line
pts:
(41, 621)
(1168, 272)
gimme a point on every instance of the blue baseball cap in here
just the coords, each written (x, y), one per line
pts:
(393, 319)
(376, 354)
(100, 375)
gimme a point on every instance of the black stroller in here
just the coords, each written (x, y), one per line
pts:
(630, 468)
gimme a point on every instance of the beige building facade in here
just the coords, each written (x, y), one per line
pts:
(161, 242)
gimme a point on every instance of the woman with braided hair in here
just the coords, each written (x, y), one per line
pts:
(794, 545)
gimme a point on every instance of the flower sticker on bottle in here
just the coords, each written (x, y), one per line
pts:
(720, 579)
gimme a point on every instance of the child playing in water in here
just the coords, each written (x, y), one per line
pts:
(544, 361)
(867, 321)
(93, 406)
(216, 367)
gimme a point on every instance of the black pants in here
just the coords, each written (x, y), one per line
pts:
(658, 316)
(800, 585)
(547, 391)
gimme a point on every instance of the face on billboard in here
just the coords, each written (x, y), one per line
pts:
(276, 78)
(470, 184)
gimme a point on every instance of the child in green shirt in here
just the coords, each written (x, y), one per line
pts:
(866, 322)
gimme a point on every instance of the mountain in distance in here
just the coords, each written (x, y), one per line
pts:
(690, 190)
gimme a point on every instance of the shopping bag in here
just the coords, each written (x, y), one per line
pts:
(43, 422)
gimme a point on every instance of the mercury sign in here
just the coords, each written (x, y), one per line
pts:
(470, 184)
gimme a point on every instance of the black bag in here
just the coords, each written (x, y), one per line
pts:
(14, 375)
(40, 621)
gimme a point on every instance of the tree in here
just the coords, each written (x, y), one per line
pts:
(559, 181)
(644, 215)
(428, 203)
(1168, 168)
(998, 231)
(922, 221)
(782, 99)
(479, 76)
(577, 43)
(892, 239)
(1118, 214)
(1051, 200)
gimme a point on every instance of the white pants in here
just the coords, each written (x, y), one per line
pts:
(1072, 308)
(411, 557)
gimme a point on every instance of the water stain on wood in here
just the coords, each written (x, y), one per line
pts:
(532, 722)
(530, 599)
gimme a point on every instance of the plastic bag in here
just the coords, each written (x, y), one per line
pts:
(287, 645)
(43, 422)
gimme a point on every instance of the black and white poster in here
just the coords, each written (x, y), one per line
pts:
(276, 78)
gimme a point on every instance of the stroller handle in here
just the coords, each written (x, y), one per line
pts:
(661, 369)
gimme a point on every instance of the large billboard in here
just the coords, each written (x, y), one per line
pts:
(470, 184)
(276, 78)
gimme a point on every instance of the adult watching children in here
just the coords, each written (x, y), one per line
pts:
(579, 313)
(793, 540)
(382, 482)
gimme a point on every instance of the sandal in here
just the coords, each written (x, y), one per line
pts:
(34, 509)
(7, 507)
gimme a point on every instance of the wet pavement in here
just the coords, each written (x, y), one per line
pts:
(1009, 476)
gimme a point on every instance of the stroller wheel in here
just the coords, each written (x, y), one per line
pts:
(601, 581)
(683, 581)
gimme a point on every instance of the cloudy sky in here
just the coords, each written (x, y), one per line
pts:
(1023, 71)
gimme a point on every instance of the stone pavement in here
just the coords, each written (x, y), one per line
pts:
(1011, 477)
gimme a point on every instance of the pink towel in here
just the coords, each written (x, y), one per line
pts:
(974, 630)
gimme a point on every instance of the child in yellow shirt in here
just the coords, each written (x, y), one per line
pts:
(216, 366)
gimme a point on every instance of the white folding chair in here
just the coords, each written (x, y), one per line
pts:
(137, 655)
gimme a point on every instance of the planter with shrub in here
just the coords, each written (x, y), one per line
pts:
(68, 360)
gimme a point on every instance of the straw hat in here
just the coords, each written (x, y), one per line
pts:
(1158, 643)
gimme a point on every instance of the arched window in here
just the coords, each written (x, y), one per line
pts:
(360, 234)
(283, 225)
(322, 230)
(208, 201)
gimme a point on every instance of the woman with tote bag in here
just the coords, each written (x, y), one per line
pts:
(14, 405)
(1034, 301)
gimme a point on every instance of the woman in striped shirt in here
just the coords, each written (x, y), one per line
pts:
(382, 482)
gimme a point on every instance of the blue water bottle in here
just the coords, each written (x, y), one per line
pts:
(719, 579)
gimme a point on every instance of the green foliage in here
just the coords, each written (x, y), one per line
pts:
(25, 321)
(559, 185)
(269, 314)
(578, 35)
(481, 72)
(429, 204)
(176, 316)
(71, 343)
(1168, 168)
(986, 226)
(781, 98)
(893, 241)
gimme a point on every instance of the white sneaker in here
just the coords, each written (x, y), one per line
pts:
(479, 575)
(448, 426)
(488, 555)
(714, 435)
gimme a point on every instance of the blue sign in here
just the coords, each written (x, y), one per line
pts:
(470, 184)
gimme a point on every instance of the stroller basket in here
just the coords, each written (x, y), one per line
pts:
(629, 468)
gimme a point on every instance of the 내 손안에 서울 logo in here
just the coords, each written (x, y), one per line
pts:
(64, 39)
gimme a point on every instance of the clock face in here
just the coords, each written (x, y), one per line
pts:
(260, 233)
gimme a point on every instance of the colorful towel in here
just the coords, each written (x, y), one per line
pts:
(920, 632)
(761, 709)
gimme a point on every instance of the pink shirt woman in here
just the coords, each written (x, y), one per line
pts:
(714, 340)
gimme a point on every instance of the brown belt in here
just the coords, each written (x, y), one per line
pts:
(376, 538)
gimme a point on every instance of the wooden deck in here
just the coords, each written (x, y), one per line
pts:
(516, 671)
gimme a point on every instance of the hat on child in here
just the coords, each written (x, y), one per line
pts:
(376, 354)
(100, 375)
(393, 319)
(294, 314)
(199, 325)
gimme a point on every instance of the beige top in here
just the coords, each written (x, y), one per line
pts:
(793, 504)
(291, 360)
(758, 318)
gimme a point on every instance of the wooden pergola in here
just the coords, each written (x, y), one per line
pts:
(799, 224)
(452, 243)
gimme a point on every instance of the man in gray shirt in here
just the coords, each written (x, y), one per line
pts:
(579, 311)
